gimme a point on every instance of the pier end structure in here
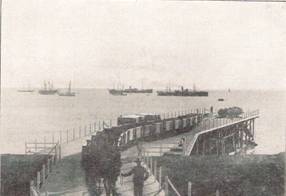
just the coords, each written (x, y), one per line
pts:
(223, 136)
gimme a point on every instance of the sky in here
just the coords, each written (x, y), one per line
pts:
(101, 44)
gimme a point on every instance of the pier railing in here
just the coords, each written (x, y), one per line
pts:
(65, 136)
(52, 147)
(163, 180)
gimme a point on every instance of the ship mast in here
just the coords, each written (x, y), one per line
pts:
(69, 90)
(45, 85)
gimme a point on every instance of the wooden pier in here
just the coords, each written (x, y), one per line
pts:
(222, 136)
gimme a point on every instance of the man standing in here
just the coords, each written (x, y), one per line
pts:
(140, 174)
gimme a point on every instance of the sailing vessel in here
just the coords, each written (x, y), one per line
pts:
(68, 93)
(26, 90)
(48, 89)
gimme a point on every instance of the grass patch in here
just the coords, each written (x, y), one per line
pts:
(233, 175)
(67, 174)
(17, 171)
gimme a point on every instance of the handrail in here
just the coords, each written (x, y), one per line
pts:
(173, 187)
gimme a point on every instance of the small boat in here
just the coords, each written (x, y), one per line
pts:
(68, 93)
(220, 99)
(48, 89)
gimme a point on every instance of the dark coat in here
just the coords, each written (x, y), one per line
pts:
(140, 174)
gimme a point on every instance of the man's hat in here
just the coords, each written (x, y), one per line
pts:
(137, 160)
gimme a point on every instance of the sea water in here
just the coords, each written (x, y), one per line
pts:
(31, 116)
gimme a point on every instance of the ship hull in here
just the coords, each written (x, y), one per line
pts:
(184, 94)
(138, 91)
(25, 91)
(117, 92)
(67, 94)
(47, 92)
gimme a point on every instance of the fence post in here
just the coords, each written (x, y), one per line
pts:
(43, 174)
(36, 148)
(99, 125)
(73, 131)
(189, 188)
(31, 185)
(160, 176)
(67, 136)
(60, 152)
(60, 136)
(38, 180)
(53, 138)
(155, 170)
(48, 166)
(166, 186)
(151, 165)
(89, 128)
(94, 127)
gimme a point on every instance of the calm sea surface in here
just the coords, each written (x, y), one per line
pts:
(30, 116)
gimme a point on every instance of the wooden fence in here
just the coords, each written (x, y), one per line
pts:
(53, 156)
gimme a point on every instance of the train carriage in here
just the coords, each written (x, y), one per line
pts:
(138, 132)
(130, 131)
(184, 123)
(158, 127)
(177, 123)
(146, 130)
(169, 125)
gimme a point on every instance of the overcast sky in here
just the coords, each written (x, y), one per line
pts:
(217, 45)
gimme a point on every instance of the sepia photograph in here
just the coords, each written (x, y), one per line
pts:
(142, 97)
